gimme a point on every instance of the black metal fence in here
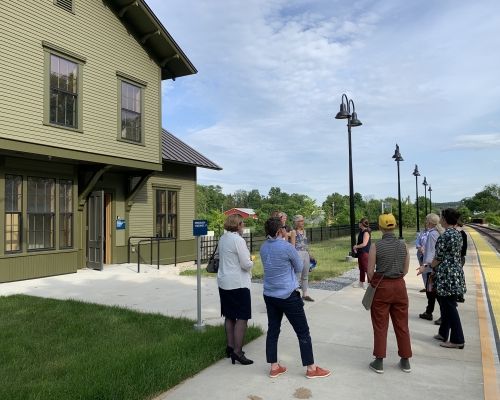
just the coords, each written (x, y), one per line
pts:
(314, 235)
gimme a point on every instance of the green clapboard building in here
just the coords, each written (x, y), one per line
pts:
(84, 162)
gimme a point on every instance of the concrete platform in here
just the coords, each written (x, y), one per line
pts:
(340, 328)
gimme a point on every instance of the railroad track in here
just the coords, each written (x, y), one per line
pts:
(490, 234)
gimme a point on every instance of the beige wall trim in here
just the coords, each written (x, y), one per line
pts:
(33, 148)
(63, 51)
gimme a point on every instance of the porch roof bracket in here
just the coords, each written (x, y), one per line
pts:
(82, 195)
(129, 201)
(148, 35)
(124, 9)
(164, 63)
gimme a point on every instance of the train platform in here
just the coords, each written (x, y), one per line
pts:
(340, 328)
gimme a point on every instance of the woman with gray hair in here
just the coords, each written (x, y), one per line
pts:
(435, 229)
(299, 241)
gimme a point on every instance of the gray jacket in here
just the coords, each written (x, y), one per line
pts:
(430, 248)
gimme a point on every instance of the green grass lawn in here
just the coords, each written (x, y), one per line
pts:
(330, 255)
(54, 349)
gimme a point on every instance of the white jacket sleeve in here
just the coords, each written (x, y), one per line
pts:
(244, 255)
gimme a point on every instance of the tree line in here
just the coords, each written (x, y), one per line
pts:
(211, 203)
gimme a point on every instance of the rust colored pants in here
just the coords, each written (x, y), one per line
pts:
(391, 299)
(363, 266)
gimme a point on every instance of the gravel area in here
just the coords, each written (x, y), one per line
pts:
(332, 284)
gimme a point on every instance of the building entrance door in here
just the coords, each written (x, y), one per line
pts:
(95, 229)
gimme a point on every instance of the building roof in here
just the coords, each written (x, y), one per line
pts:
(175, 150)
(248, 211)
(147, 29)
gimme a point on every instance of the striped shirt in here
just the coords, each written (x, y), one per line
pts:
(388, 262)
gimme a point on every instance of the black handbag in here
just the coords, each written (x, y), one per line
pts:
(213, 263)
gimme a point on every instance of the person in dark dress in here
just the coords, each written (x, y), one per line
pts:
(362, 249)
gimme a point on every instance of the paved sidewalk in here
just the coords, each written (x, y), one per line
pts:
(340, 328)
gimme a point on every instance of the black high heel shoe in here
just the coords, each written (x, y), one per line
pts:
(242, 360)
(229, 350)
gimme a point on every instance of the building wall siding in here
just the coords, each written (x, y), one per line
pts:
(95, 33)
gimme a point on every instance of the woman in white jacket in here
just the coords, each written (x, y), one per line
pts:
(234, 280)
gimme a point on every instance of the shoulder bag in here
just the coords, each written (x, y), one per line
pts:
(370, 290)
(213, 262)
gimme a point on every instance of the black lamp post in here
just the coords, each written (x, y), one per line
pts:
(416, 174)
(352, 120)
(425, 185)
(430, 198)
(397, 157)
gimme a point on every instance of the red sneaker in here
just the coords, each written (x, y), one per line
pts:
(318, 373)
(277, 372)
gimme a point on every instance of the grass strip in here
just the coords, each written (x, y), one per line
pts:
(55, 349)
(330, 254)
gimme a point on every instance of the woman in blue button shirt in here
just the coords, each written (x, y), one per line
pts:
(281, 263)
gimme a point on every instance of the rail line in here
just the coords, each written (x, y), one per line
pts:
(490, 234)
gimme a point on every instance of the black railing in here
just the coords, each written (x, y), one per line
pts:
(151, 240)
(254, 242)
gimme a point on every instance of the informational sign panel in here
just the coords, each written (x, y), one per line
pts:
(120, 224)
(200, 227)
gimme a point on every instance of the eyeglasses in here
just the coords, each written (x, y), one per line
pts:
(300, 220)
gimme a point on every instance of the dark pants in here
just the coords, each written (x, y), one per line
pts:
(391, 299)
(450, 320)
(431, 297)
(293, 308)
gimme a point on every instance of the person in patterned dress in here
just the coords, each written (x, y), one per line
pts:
(449, 280)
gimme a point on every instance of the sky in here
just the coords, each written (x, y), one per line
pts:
(271, 75)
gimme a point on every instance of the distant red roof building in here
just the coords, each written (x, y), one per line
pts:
(244, 212)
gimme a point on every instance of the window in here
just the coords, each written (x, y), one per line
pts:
(41, 213)
(131, 112)
(65, 213)
(63, 91)
(13, 212)
(166, 213)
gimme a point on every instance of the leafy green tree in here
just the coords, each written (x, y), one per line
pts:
(373, 209)
(466, 214)
(487, 200)
(209, 198)
(334, 205)
(229, 202)
(254, 199)
(249, 222)
(240, 198)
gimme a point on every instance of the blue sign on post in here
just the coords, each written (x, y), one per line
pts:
(200, 227)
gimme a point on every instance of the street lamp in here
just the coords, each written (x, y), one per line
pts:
(416, 174)
(397, 157)
(352, 120)
(430, 198)
(425, 185)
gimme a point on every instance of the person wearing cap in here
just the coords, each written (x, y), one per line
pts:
(388, 263)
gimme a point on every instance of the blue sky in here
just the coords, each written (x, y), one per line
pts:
(424, 75)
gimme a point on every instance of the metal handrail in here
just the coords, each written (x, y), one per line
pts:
(151, 239)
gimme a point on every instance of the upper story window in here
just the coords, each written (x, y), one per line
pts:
(63, 92)
(63, 88)
(131, 112)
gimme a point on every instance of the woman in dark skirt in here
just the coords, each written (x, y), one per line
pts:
(234, 280)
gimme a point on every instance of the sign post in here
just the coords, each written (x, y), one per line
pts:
(200, 228)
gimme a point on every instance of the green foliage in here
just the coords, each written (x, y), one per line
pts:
(487, 200)
(249, 222)
(466, 214)
(215, 221)
(493, 218)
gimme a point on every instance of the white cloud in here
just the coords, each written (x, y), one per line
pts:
(271, 76)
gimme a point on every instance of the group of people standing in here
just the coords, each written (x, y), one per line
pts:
(285, 256)
(441, 253)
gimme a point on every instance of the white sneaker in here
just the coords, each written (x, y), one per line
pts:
(357, 285)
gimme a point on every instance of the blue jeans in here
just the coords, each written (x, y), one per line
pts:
(293, 308)
(450, 320)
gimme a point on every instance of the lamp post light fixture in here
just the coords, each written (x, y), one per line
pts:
(425, 185)
(397, 157)
(352, 120)
(416, 174)
(430, 198)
